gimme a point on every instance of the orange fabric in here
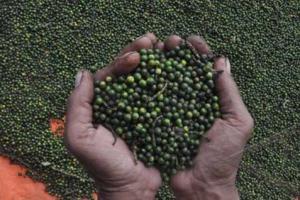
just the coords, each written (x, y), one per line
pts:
(15, 186)
(57, 126)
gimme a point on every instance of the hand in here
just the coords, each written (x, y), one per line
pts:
(112, 166)
(213, 174)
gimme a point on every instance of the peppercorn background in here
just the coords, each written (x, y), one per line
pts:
(44, 43)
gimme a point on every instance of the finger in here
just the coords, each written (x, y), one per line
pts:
(172, 41)
(180, 182)
(144, 42)
(122, 65)
(128, 58)
(79, 110)
(159, 45)
(152, 37)
(232, 105)
(199, 44)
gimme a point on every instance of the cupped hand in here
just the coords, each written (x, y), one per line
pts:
(214, 170)
(113, 167)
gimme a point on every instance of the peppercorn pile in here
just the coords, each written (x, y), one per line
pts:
(162, 108)
(44, 43)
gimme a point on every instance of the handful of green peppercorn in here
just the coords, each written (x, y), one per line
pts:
(162, 108)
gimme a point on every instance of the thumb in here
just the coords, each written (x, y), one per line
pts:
(232, 105)
(79, 109)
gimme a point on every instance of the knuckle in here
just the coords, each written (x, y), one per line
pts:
(78, 139)
(219, 122)
(243, 122)
(178, 185)
(143, 42)
(69, 143)
(70, 99)
(151, 36)
(249, 123)
(192, 38)
(173, 38)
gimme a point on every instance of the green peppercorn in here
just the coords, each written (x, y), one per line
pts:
(143, 83)
(135, 116)
(209, 75)
(215, 106)
(189, 114)
(102, 84)
(152, 63)
(137, 76)
(99, 101)
(150, 81)
(130, 79)
(166, 122)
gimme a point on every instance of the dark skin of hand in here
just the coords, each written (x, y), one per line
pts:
(214, 170)
(112, 166)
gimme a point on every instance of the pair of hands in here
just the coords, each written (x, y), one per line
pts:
(117, 176)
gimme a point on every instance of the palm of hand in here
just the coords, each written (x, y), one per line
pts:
(220, 154)
(221, 149)
(217, 162)
(112, 165)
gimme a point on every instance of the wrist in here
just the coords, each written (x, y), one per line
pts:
(133, 195)
(142, 184)
(202, 190)
(127, 195)
(209, 193)
(219, 192)
(128, 192)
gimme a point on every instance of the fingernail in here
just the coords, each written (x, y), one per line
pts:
(138, 38)
(78, 78)
(227, 65)
(127, 54)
